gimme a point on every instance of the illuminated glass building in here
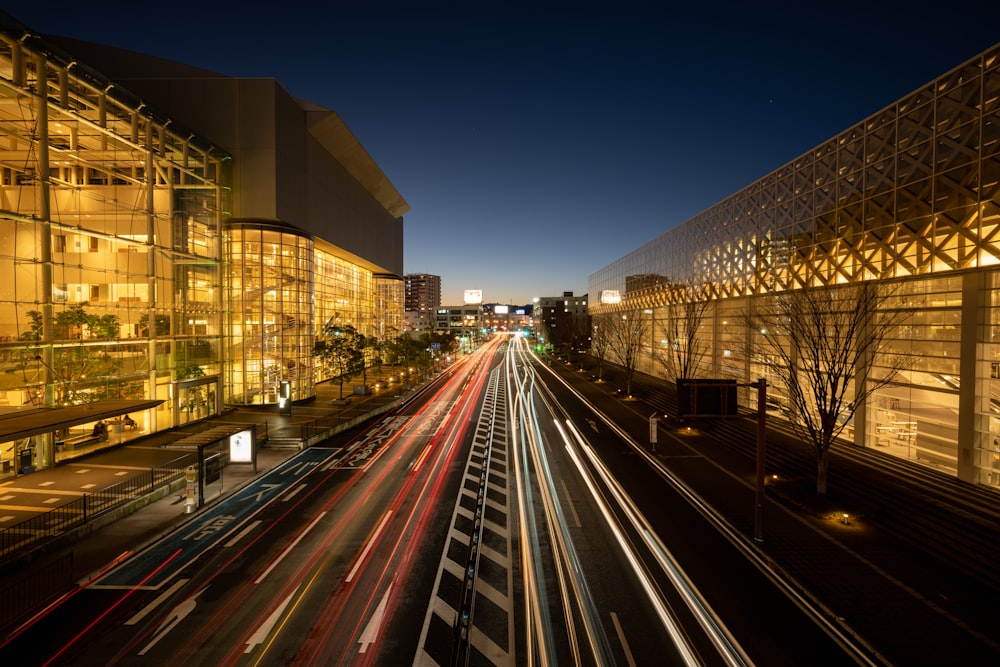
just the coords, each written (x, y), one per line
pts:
(140, 259)
(910, 196)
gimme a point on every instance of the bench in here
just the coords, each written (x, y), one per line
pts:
(78, 441)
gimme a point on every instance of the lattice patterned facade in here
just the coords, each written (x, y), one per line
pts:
(910, 195)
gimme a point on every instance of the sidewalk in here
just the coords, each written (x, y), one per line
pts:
(131, 533)
(96, 543)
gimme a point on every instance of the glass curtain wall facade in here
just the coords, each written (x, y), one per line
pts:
(269, 285)
(345, 293)
(911, 197)
(285, 290)
(390, 297)
(109, 245)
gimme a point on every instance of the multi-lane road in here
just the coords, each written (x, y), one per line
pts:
(496, 518)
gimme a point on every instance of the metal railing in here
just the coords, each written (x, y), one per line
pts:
(35, 587)
(38, 529)
(330, 424)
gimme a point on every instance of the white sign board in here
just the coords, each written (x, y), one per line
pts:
(241, 447)
(611, 296)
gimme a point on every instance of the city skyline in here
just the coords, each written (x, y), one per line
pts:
(536, 148)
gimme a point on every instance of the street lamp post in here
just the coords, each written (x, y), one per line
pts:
(653, 424)
(758, 519)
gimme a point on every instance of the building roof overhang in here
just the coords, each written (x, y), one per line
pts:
(28, 422)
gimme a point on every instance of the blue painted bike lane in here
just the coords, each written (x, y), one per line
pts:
(162, 560)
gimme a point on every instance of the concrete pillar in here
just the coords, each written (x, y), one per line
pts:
(975, 298)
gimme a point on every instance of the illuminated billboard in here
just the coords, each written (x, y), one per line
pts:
(241, 447)
(500, 310)
(473, 296)
(611, 296)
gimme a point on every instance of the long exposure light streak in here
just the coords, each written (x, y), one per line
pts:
(55, 604)
(107, 611)
(368, 546)
(666, 618)
(288, 549)
(574, 589)
(710, 622)
(731, 534)
(410, 506)
(537, 626)
(568, 563)
(317, 560)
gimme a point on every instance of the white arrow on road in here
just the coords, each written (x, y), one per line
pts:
(265, 488)
(265, 629)
(371, 630)
(165, 595)
(176, 616)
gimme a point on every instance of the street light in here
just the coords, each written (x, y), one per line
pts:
(758, 515)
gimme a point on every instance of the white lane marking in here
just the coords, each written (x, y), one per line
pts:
(621, 637)
(264, 488)
(368, 547)
(289, 549)
(293, 492)
(176, 616)
(243, 533)
(572, 505)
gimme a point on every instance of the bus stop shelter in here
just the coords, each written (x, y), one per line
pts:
(217, 447)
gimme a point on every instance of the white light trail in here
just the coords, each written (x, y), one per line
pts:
(289, 548)
(710, 622)
(371, 542)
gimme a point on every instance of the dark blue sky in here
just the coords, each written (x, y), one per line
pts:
(537, 142)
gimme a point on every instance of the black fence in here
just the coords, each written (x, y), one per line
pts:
(34, 588)
(330, 424)
(40, 528)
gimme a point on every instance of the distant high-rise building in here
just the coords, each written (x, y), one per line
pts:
(423, 293)
(563, 321)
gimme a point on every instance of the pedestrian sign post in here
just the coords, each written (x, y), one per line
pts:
(191, 488)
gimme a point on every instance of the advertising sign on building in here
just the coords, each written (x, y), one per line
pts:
(473, 296)
(611, 296)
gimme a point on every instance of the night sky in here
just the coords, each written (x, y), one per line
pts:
(537, 142)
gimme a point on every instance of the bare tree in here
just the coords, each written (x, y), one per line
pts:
(685, 348)
(628, 330)
(825, 342)
(599, 344)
